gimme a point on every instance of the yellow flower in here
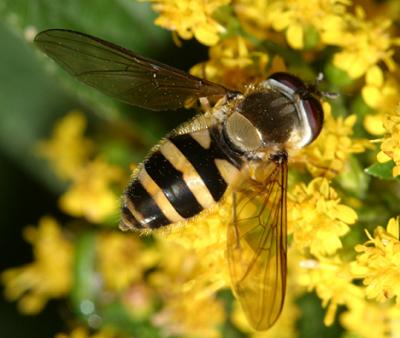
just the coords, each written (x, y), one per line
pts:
(381, 93)
(116, 252)
(188, 315)
(91, 195)
(190, 18)
(49, 276)
(204, 235)
(328, 155)
(316, 217)
(187, 287)
(68, 149)
(295, 18)
(233, 62)
(332, 280)
(364, 45)
(373, 123)
(366, 320)
(82, 332)
(390, 147)
(378, 263)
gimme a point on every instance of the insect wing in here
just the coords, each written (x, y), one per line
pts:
(123, 74)
(257, 246)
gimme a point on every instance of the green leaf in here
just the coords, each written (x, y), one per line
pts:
(338, 77)
(115, 314)
(382, 170)
(353, 178)
(30, 103)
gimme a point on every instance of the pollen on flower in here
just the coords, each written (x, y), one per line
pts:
(49, 276)
(205, 234)
(365, 44)
(234, 62)
(331, 279)
(91, 194)
(190, 18)
(187, 286)
(185, 314)
(327, 17)
(316, 217)
(390, 146)
(67, 149)
(378, 263)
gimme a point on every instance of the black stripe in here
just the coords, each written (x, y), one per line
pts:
(203, 160)
(173, 185)
(132, 221)
(146, 206)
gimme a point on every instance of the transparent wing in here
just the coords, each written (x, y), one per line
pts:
(257, 245)
(123, 74)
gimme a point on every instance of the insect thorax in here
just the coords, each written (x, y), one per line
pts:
(272, 114)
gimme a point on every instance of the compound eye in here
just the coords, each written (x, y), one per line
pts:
(242, 133)
(289, 80)
(314, 114)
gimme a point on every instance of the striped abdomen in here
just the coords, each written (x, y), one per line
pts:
(185, 175)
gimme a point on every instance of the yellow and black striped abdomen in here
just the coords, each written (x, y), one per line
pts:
(185, 175)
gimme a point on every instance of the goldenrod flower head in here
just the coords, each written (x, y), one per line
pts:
(365, 44)
(49, 276)
(91, 194)
(329, 153)
(68, 149)
(116, 253)
(381, 90)
(185, 314)
(390, 147)
(378, 263)
(233, 62)
(317, 219)
(295, 18)
(187, 286)
(204, 235)
(331, 278)
(190, 18)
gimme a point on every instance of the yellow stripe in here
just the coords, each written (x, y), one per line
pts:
(202, 137)
(158, 196)
(190, 175)
(139, 217)
(227, 170)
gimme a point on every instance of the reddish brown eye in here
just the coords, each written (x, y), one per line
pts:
(315, 115)
(289, 80)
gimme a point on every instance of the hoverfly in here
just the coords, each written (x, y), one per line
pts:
(240, 145)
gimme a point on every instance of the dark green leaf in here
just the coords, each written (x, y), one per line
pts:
(381, 170)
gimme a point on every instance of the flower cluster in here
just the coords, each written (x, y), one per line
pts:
(390, 147)
(176, 281)
(34, 284)
(190, 18)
